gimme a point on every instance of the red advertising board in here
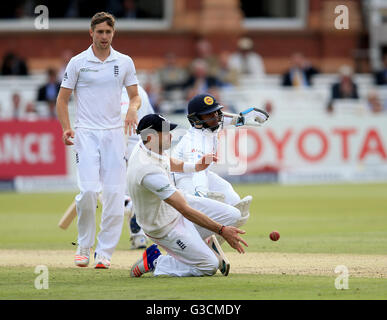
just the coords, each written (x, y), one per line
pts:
(31, 149)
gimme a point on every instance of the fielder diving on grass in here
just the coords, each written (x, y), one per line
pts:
(183, 225)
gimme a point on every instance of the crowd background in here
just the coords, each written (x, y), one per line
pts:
(232, 58)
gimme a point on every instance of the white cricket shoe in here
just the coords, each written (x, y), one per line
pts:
(82, 257)
(101, 262)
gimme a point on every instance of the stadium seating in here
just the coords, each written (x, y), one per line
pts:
(252, 91)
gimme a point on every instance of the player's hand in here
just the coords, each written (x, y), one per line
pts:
(131, 121)
(205, 161)
(260, 116)
(231, 235)
(67, 136)
(254, 117)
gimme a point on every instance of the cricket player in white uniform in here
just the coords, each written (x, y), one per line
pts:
(207, 119)
(179, 223)
(138, 237)
(97, 76)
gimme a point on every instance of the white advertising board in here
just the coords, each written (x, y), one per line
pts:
(319, 149)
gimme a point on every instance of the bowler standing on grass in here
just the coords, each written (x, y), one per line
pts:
(97, 76)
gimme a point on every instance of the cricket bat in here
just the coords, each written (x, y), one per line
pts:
(68, 216)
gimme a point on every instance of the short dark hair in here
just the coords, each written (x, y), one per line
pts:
(51, 72)
(101, 17)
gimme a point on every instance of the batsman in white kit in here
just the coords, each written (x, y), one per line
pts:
(97, 76)
(183, 225)
(207, 119)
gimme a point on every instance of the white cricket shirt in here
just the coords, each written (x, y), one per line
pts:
(98, 86)
(192, 147)
(154, 215)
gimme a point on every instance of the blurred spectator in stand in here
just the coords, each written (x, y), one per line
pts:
(268, 107)
(330, 107)
(380, 76)
(199, 78)
(16, 106)
(171, 76)
(191, 92)
(214, 91)
(114, 7)
(154, 95)
(375, 104)
(19, 111)
(30, 113)
(66, 56)
(345, 88)
(21, 9)
(204, 52)
(226, 75)
(130, 10)
(13, 65)
(300, 73)
(246, 61)
(125, 9)
(49, 91)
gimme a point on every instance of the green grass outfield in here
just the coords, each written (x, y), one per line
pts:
(64, 284)
(328, 219)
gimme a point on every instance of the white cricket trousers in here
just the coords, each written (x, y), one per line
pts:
(215, 184)
(218, 184)
(188, 254)
(100, 167)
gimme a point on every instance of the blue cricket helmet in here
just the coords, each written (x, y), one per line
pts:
(202, 104)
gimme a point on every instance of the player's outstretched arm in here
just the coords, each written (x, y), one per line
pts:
(229, 233)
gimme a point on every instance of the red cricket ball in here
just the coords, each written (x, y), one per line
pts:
(274, 235)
